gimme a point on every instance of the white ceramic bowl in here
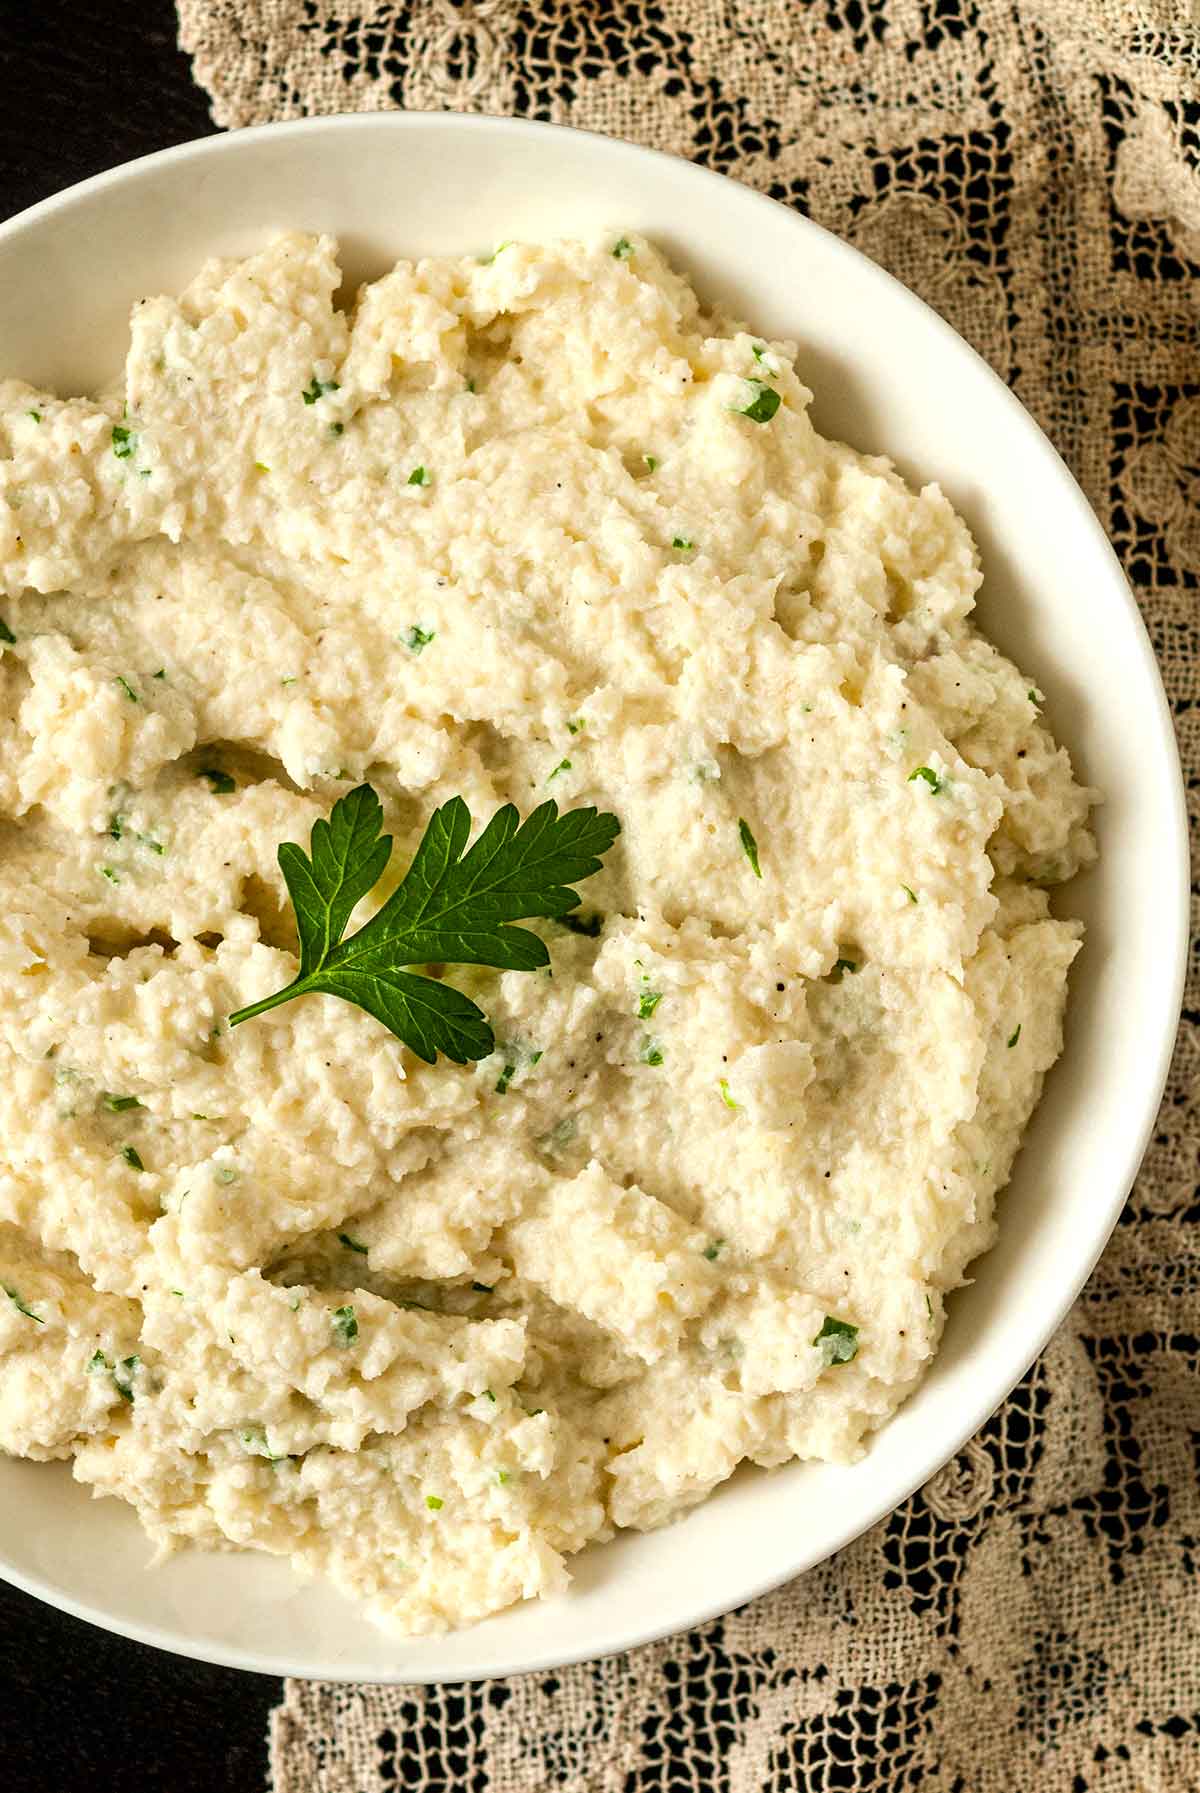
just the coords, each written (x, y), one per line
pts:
(891, 377)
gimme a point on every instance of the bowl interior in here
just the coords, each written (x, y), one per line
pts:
(889, 377)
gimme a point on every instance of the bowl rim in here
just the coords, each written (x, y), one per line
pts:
(278, 1662)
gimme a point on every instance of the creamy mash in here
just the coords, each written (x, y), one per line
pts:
(526, 527)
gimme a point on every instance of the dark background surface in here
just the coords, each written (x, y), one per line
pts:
(88, 84)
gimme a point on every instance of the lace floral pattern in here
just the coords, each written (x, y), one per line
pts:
(1032, 168)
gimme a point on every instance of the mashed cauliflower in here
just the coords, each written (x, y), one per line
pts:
(526, 527)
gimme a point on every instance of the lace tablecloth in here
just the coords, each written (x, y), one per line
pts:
(1031, 1618)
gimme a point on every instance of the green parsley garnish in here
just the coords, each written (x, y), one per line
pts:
(485, 1288)
(225, 1174)
(562, 766)
(160, 674)
(261, 467)
(124, 441)
(20, 1305)
(151, 845)
(502, 1476)
(221, 782)
(415, 637)
(591, 926)
(1035, 697)
(936, 784)
(317, 389)
(762, 404)
(838, 1340)
(910, 894)
(345, 1325)
(622, 249)
(575, 724)
(505, 1078)
(841, 966)
(712, 1250)
(434, 1502)
(116, 825)
(683, 542)
(648, 1001)
(749, 846)
(352, 1244)
(723, 1084)
(1015, 1036)
(132, 1157)
(128, 689)
(97, 1361)
(120, 1104)
(36, 415)
(6, 634)
(254, 1440)
(453, 906)
(650, 1052)
(651, 461)
(113, 876)
(123, 1374)
(758, 350)
(419, 477)
(336, 429)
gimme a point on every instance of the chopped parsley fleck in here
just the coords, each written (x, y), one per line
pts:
(485, 261)
(6, 634)
(749, 845)
(317, 389)
(841, 966)
(123, 1374)
(20, 1305)
(132, 1157)
(225, 1175)
(838, 1340)
(575, 724)
(119, 1104)
(562, 766)
(160, 674)
(470, 385)
(97, 1361)
(484, 1288)
(928, 1308)
(261, 467)
(937, 785)
(1015, 1035)
(151, 845)
(36, 415)
(502, 1476)
(336, 429)
(254, 1440)
(723, 1083)
(762, 404)
(648, 1001)
(712, 1251)
(684, 543)
(590, 925)
(221, 782)
(650, 1052)
(622, 249)
(107, 871)
(505, 1078)
(352, 1244)
(651, 462)
(489, 1396)
(128, 689)
(758, 350)
(434, 1502)
(420, 476)
(1035, 697)
(116, 825)
(345, 1325)
(910, 894)
(415, 637)
(124, 441)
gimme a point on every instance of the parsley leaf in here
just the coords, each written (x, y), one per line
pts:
(749, 846)
(221, 782)
(650, 1052)
(453, 906)
(622, 249)
(132, 1157)
(762, 404)
(6, 634)
(119, 1104)
(353, 1244)
(1014, 1037)
(345, 1325)
(127, 688)
(314, 390)
(937, 785)
(20, 1305)
(419, 477)
(415, 637)
(124, 441)
(838, 1340)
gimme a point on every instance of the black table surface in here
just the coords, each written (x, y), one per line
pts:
(87, 85)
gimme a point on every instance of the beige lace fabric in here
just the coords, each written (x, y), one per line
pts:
(1030, 1619)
